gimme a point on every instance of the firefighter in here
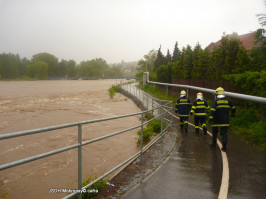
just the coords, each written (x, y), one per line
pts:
(183, 107)
(219, 116)
(199, 109)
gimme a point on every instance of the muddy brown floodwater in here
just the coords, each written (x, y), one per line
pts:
(26, 105)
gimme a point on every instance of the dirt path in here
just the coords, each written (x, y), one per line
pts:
(27, 105)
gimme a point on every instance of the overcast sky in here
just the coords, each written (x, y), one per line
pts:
(119, 29)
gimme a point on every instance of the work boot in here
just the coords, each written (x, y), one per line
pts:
(205, 130)
(197, 130)
(186, 127)
(224, 147)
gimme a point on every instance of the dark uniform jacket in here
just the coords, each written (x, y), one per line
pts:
(200, 107)
(183, 106)
(220, 110)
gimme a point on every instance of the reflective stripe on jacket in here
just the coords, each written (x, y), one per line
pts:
(200, 107)
(220, 111)
(183, 106)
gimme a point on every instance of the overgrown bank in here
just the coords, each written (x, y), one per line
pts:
(249, 121)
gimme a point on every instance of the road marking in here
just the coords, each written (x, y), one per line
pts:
(225, 176)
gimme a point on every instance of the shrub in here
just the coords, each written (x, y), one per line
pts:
(97, 187)
(156, 125)
(113, 90)
(147, 133)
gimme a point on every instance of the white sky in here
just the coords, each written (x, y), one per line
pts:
(119, 29)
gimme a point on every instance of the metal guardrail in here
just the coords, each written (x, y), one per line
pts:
(230, 94)
(163, 109)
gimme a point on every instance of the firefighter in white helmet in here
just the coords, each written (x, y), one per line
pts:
(219, 116)
(183, 107)
(199, 109)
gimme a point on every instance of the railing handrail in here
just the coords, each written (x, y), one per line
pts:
(51, 128)
(230, 94)
(166, 105)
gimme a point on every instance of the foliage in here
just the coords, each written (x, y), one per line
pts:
(164, 73)
(250, 124)
(50, 59)
(147, 63)
(100, 185)
(176, 53)
(12, 67)
(156, 125)
(253, 83)
(148, 116)
(9, 66)
(38, 70)
(147, 133)
(160, 59)
(113, 90)
(139, 76)
(230, 57)
(153, 127)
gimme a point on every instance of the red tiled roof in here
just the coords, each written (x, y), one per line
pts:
(246, 39)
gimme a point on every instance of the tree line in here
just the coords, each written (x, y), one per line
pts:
(228, 61)
(44, 65)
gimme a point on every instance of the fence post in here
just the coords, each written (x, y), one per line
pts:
(147, 99)
(80, 158)
(172, 116)
(152, 106)
(141, 137)
(161, 120)
(167, 90)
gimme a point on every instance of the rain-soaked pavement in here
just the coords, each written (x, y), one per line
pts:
(194, 170)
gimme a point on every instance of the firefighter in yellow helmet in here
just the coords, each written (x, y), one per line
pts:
(219, 116)
(199, 109)
(183, 107)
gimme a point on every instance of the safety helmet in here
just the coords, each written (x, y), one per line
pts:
(183, 92)
(199, 95)
(219, 90)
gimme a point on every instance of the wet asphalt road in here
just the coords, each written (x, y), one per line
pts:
(194, 170)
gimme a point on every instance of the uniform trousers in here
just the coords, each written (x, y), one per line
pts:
(223, 133)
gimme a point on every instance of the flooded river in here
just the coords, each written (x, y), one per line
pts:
(26, 105)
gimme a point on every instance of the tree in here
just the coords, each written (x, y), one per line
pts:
(23, 67)
(168, 57)
(9, 66)
(187, 61)
(175, 53)
(51, 60)
(71, 68)
(147, 64)
(38, 70)
(200, 63)
(160, 59)
(164, 73)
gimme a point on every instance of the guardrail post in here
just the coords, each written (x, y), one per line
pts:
(141, 137)
(80, 158)
(162, 112)
(147, 98)
(172, 115)
(143, 99)
(152, 106)
(167, 90)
